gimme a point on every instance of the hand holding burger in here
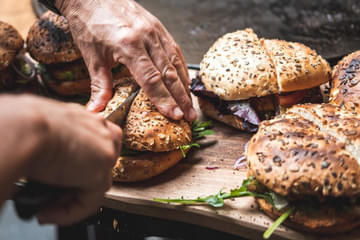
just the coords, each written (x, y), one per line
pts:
(131, 36)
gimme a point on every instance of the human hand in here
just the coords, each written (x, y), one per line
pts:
(77, 151)
(121, 31)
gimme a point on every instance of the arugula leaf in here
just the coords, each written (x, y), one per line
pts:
(199, 130)
(217, 200)
(186, 147)
(267, 234)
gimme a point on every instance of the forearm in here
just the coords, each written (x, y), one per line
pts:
(20, 134)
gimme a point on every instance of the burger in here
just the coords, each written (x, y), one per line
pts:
(11, 43)
(62, 67)
(307, 161)
(152, 142)
(345, 89)
(244, 80)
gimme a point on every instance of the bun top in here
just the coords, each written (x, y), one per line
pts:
(345, 84)
(310, 150)
(11, 43)
(50, 41)
(148, 130)
(239, 65)
(297, 66)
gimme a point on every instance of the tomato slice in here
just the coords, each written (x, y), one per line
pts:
(289, 99)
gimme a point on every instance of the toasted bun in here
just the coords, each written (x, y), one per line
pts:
(239, 66)
(148, 130)
(323, 221)
(345, 84)
(312, 149)
(11, 43)
(50, 41)
(210, 111)
(125, 86)
(297, 66)
(144, 166)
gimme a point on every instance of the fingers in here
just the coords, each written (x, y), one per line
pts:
(101, 87)
(176, 87)
(72, 208)
(150, 79)
(176, 56)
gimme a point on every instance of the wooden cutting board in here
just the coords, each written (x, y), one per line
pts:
(192, 178)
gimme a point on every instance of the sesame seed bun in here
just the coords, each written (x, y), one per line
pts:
(297, 66)
(50, 41)
(144, 166)
(312, 149)
(148, 130)
(124, 88)
(11, 43)
(239, 66)
(345, 83)
(325, 220)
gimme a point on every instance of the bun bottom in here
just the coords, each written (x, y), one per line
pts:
(144, 166)
(324, 221)
(70, 88)
(210, 111)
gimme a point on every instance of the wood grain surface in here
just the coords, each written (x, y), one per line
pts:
(192, 178)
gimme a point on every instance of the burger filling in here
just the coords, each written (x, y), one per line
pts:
(67, 72)
(254, 110)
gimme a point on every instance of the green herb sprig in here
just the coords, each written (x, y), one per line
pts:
(217, 200)
(267, 234)
(199, 130)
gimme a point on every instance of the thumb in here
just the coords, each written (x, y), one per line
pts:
(101, 88)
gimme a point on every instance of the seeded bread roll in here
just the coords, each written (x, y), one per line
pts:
(144, 166)
(124, 88)
(148, 130)
(240, 66)
(310, 150)
(345, 88)
(322, 221)
(50, 41)
(297, 66)
(237, 67)
(11, 43)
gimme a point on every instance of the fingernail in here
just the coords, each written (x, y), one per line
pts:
(192, 114)
(178, 114)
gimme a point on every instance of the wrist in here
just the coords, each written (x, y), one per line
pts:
(25, 130)
(21, 131)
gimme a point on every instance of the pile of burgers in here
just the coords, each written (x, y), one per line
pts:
(304, 151)
(152, 142)
(305, 154)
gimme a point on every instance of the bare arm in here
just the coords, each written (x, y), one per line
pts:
(59, 144)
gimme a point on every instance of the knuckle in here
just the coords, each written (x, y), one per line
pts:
(170, 74)
(175, 60)
(130, 38)
(153, 78)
